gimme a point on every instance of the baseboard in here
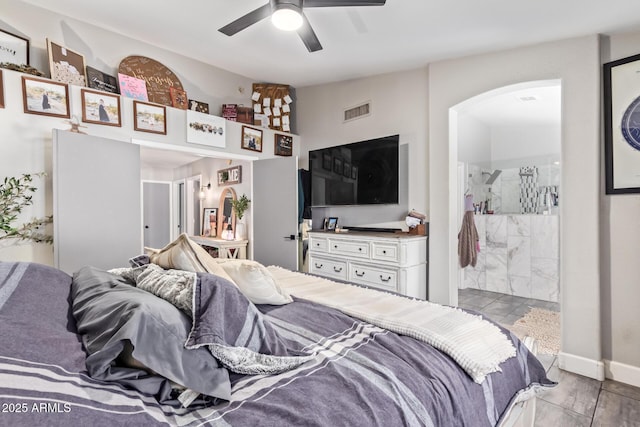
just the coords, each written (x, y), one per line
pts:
(622, 372)
(581, 365)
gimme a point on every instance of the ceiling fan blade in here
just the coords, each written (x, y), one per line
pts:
(308, 36)
(342, 3)
(247, 20)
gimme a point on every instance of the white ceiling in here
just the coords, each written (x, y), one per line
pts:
(357, 41)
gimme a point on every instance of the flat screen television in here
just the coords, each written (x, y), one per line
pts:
(359, 173)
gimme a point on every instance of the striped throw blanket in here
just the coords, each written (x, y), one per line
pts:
(477, 345)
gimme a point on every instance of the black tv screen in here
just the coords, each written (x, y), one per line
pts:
(360, 173)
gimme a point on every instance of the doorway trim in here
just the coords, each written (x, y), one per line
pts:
(454, 177)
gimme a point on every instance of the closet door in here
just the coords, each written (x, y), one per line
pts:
(96, 201)
(275, 212)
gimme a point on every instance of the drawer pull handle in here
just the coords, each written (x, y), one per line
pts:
(318, 265)
(384, 252)
(385, 280)
(360, 249)
(359, 274)
(337, 270)
(335, 246)
(317, 244)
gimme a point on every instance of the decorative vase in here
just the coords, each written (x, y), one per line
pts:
(241, 231)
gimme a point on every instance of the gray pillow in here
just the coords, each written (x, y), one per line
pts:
(110, 313)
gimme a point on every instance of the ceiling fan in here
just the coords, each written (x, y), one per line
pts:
(288, 15)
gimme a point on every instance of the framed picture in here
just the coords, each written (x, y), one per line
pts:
(178, 98)
(149, 117)
(66, 65)
(45, 97)
(209, 222)
(283, 145)
(229, 176)
(622, 125)
(1, 90)
(132, 87)
(346, 171)
(332, 223)
(251, 139)
(100, 108)
(96, 79)
(200, 107)
(206, 129)
(337, 165)
(354, 172)
(326, 161)
(13, 49)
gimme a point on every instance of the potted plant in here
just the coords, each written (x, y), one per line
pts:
(240, 206)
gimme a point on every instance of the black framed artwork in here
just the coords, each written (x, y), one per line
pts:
(622, 125)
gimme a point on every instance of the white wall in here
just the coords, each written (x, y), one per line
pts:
(620, 237)
(474, 141)
(511, 144)
(398, 106)
(576, 63)
(26, 138)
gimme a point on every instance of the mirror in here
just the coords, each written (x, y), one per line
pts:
(225, 211)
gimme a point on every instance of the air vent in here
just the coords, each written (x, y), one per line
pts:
(528, 98)
(357, 112)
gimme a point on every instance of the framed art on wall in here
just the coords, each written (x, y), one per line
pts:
(251, 139)
(132, 87)
(149, 117)
(206, 129)
(1, 90)
(229, 176)
(283, 145)
(13, 49)
(622, 125)
(45, 97)
(66, 65)
(178, 98)
(100, 108)
(96, 79)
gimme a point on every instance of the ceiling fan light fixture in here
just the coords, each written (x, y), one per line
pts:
(287, 17)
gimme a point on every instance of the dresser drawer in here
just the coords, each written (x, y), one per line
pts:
(385, 252)
(382, 278)
(318, 244)
(349, 248)
(328, 267)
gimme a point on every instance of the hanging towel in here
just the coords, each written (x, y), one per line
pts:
(468, 239)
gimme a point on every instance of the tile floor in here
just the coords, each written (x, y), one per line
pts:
(577, 400)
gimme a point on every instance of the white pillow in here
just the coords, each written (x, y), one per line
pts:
(185, 254)
(255, 282)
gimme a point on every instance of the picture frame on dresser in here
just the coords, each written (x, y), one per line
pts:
(209, 222)
(14, 49)
(622, 134)
(332, 223)
(100, 108)
(45, 97)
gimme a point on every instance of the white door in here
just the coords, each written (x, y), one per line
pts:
(156, 213)
(274, 205)
(96, 201)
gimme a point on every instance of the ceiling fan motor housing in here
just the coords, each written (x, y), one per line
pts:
(286, 4)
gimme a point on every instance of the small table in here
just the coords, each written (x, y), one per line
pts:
(236, 249)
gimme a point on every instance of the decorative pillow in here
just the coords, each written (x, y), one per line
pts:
(185, 254)
(255, 282)
(111, 312)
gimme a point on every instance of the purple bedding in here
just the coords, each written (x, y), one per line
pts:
(363, 375)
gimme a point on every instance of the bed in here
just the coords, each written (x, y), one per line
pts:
(59, 364)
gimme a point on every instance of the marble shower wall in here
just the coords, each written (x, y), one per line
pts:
(506, 191)
(519, 255)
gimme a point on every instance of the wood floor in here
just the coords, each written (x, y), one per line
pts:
(577, 400)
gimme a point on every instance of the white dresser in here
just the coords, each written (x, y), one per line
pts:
(393, 262)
